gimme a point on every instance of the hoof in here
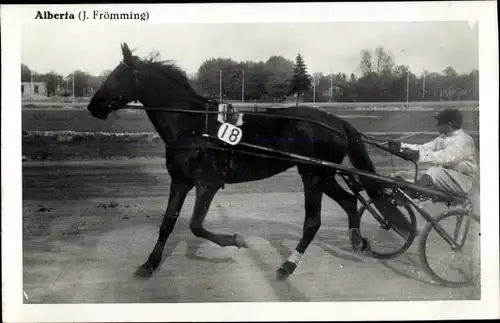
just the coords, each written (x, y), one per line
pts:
(362, 245)
(357, 244)
(143, 272)
(357, 247)
(239, 241)
(286, 270)
(282, 274)
(366, 245)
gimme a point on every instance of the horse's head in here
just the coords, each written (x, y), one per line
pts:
(148, 80)
(119, 88)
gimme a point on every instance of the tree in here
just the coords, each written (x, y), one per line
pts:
(450, 72)
(82, 81)
(474, 82)
(384, 61)
(353, 78)
(384, 64)
(368, 87)
(401, 70)
(278, 72)
(277, 77)
(366, 65)
(25, 73)
(301, 81)
(192, 78)
(255, 80)
(103, 76)
(322, 88)
(53, 81)
(277, 88)
(312, 94)
(209, 77)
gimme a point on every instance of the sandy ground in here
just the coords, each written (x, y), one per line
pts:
(88, 225)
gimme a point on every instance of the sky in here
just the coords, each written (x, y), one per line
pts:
(325, 47)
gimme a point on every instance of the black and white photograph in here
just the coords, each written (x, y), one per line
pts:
(253, 158)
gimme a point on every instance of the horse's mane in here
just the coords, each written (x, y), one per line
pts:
(175, 80)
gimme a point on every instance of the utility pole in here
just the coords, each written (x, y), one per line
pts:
(31, 85)
(220, 85)
(423, 86)
(243, 87)
(314, 88)
(331, 85)
(407, 87)
(475, 89)
(73, 87)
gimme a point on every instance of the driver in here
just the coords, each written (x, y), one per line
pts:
(451, 155)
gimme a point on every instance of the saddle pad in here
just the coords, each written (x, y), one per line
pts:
(235, 119)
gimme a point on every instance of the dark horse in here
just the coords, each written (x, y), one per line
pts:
(161, 86)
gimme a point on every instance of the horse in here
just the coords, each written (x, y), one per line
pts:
(161, 86)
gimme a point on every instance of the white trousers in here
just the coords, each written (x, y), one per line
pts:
(450, 180)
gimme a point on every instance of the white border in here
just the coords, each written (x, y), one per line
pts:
(482, 11)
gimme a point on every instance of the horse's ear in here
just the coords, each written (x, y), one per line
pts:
(127, 54)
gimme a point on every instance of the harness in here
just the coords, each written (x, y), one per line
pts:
(227, 114)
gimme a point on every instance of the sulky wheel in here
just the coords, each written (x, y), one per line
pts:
(454, 262)
(386, 240)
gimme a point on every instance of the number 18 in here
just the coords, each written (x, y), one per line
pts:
(229, 134)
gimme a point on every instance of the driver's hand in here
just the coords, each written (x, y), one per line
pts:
(410, 154)
(394, 145)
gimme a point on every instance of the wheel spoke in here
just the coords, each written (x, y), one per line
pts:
(389, 241)
(460, 270)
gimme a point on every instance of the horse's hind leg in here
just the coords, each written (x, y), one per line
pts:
(313, 197)
(204, 197)
(348, 202)
(178, 193)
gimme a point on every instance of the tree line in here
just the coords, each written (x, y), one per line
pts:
(62, 85)
(379, 79)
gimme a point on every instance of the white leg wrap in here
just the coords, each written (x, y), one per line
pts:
(295, 257)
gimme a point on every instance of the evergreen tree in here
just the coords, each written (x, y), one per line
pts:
(301, 81)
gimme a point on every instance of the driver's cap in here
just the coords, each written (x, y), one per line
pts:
(451, 116)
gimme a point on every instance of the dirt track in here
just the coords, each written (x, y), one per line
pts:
(88, 225)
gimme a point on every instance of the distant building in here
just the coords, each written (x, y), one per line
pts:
(35, 90)
(292, 99)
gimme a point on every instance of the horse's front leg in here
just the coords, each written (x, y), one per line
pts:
(204, 197)
(178, 193)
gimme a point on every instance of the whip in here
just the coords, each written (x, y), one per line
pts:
(407, 136)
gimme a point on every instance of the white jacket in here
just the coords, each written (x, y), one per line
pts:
(456, 150)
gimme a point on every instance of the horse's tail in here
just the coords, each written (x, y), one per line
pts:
(358, 155)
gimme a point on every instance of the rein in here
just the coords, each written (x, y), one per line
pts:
(376, 142)
(371, 140)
